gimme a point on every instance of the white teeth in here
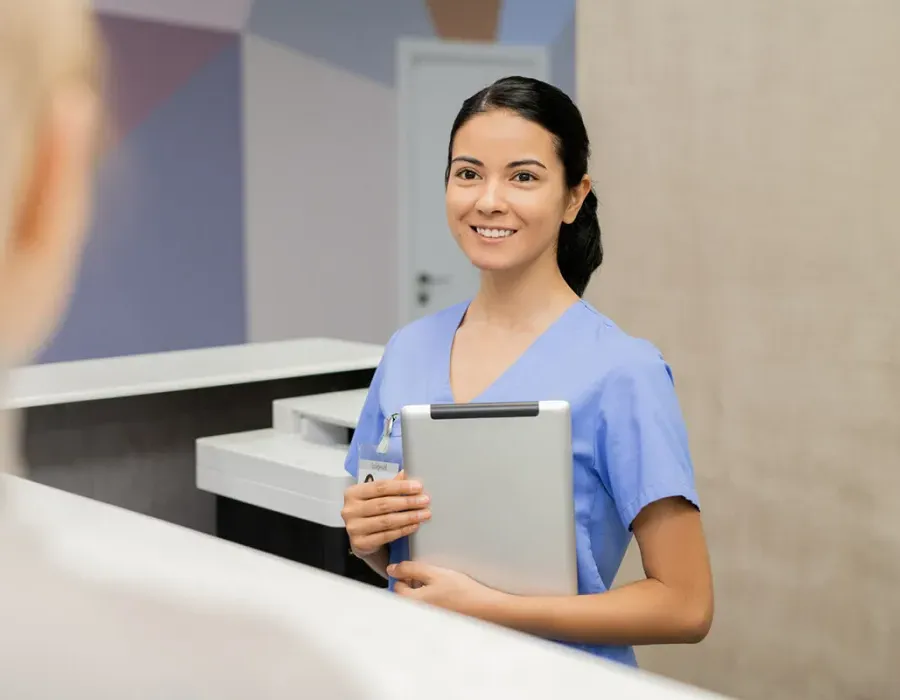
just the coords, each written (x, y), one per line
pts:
(494, 232)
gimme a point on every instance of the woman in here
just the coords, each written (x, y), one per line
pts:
(520, 205)
(61, 635)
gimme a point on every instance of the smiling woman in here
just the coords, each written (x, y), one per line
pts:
(523, 181)
(520, 206)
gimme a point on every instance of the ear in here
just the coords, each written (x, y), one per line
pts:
(576, 199)
(56, 193)
(44, 242)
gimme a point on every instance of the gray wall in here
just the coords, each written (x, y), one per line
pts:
(748, 157)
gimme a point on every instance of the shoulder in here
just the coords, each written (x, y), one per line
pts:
(630, 376)
(618, 356)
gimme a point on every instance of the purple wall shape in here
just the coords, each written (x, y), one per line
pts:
(150, 61)
(164, 266)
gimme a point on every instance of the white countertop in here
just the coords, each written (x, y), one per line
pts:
(338, 408)
(133, 375)
(280, 472)
(418, 652)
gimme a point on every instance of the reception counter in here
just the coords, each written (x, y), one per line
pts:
(398, 649)
(123, 430)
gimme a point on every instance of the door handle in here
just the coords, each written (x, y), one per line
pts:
(425, 280)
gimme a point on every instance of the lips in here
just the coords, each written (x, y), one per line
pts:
(493, 232)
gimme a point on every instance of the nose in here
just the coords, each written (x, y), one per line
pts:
(491, 200)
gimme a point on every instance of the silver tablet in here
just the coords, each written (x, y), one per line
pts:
(500, 480)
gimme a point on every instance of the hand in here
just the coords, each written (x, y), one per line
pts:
(383, 511)
(444, 588)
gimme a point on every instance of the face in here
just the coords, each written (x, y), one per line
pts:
(41, 251)
(507, 194)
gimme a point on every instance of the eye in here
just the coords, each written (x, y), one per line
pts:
(466, 174)
(524, 176)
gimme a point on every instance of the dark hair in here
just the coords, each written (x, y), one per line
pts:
(579, 249)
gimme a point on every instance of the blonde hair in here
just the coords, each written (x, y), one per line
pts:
(45, 45)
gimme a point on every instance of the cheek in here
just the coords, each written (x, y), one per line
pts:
(540, 212)
(458, 202)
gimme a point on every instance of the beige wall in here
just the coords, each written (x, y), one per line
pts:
(747, 158)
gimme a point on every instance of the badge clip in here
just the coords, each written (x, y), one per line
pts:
(385, 442)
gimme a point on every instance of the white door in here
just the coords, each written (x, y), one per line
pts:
(433, 79)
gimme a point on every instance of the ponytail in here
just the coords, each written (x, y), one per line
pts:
(580, 251)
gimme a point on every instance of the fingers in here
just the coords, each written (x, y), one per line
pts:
(383, 489)
(360, 525)
(402, 588)
(373, 542)
(398, 486)
(381, 512)
(390, 504)
(413, 571)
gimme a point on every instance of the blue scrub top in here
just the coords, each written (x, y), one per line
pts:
(630, 446)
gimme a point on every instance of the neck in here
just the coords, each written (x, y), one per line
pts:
(522, 297)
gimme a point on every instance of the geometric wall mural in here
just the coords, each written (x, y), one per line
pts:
(164, 267)
(151, 61)
(350, 34)
(249, 189)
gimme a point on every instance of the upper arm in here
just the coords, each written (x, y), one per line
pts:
(642, 443)
(643, 448)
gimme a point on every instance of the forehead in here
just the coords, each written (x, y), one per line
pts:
(503, 136)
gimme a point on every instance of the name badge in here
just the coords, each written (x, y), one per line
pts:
(375, 470)
(374, 464)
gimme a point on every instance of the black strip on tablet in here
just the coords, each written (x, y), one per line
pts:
(446, 411)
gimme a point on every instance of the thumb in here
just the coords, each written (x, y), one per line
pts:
(401, 475)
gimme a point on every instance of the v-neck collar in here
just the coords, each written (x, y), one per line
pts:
(448, 342)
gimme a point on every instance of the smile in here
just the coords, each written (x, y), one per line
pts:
(493, 232)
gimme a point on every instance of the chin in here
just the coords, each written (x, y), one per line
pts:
(489, 255)
(492, 263)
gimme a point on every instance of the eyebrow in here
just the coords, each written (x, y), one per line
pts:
(513, 164)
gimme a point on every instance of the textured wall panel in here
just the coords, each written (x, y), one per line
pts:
(321, 199)
(747, 155)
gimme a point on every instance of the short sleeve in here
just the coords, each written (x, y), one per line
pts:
(371, 420)
(642, 443)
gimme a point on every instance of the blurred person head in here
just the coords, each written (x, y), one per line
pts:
(109, 640)
(50, 106)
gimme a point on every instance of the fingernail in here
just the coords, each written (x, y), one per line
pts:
(422, 500)
(391, 569)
